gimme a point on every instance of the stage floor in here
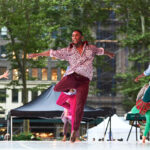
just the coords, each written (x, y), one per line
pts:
(59, 145)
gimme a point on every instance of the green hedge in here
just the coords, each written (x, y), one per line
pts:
(25, 137)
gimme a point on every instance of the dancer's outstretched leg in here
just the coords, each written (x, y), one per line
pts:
(134, 110)
(147, 126)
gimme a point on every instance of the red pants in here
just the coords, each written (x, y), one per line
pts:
(81, 84)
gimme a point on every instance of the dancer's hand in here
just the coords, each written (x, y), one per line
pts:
(33, 55)
(5, 75)
(111, 55)
(136, 79)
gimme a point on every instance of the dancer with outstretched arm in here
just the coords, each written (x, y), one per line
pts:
(143, 103)
(80, 56)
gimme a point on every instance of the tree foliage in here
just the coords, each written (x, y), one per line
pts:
(133, 16)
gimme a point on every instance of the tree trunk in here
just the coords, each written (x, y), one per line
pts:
(26, 123)
(143, 32)
(143, 24)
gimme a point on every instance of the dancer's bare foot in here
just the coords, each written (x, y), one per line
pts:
(143, 139)
(64, 138)
(73, 136)
(77, 139)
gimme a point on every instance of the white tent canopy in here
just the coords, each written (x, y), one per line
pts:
(119, 128)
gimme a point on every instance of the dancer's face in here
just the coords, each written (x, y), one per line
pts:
(76, 37)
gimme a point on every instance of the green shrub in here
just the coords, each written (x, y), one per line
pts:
(25, 137)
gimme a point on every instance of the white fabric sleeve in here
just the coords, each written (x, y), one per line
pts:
(147, 71)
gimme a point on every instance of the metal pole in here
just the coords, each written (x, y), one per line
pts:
(110, 134)
(130, 131)
(136, 131)
(106, 127)
(11, 128)
(7, 134)
(87, 129)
